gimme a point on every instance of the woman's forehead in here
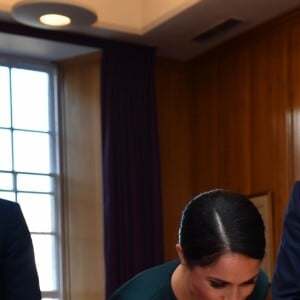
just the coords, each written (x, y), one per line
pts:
(230, 267)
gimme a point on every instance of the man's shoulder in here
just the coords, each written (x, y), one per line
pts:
(8, 203)
(7, 208)
(10, 215)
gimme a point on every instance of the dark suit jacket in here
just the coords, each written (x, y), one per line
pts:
(18, 274)
(286, 279)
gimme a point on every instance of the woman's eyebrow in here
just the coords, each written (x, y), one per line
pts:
(251, 279)
(226, 282)
(218, 279)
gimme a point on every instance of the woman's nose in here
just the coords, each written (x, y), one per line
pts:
(234, 294)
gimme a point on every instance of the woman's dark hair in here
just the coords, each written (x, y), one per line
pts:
(217, 222)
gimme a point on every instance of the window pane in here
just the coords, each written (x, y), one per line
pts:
(30, 99)
(6, 181)
(44, 247)
(36, 183)
(5, 150)
(27, 163)
(8, 196)
(38, 211)
(31, 152)
(4, 98)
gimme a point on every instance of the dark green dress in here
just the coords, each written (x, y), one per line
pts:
(155, 284)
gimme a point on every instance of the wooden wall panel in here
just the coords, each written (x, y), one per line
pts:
(174, 131)
(243, 103)
(82, 179)
(270, 121)
(295, 95)
(262, 114)
(233, 107)
(206, 156)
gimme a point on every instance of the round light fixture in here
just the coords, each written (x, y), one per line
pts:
(52, 15)
(55, 20)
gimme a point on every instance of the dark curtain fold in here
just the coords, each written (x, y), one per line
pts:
(131, 168)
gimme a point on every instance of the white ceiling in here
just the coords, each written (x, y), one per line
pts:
(170, 28)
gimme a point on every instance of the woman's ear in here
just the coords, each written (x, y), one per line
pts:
(180, 254)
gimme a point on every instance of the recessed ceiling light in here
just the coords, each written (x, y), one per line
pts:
(49, 14)
(55, 20)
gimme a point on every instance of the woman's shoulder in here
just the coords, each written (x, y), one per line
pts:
(148, 284)
(261, 287)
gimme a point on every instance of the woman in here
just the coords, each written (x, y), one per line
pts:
(221, 247)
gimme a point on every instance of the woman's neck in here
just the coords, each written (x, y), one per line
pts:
(180, 283)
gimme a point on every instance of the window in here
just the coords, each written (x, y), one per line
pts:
(28, 161)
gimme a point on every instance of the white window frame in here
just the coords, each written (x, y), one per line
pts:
(51, 69)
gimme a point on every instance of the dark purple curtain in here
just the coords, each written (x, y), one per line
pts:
(132, 193)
